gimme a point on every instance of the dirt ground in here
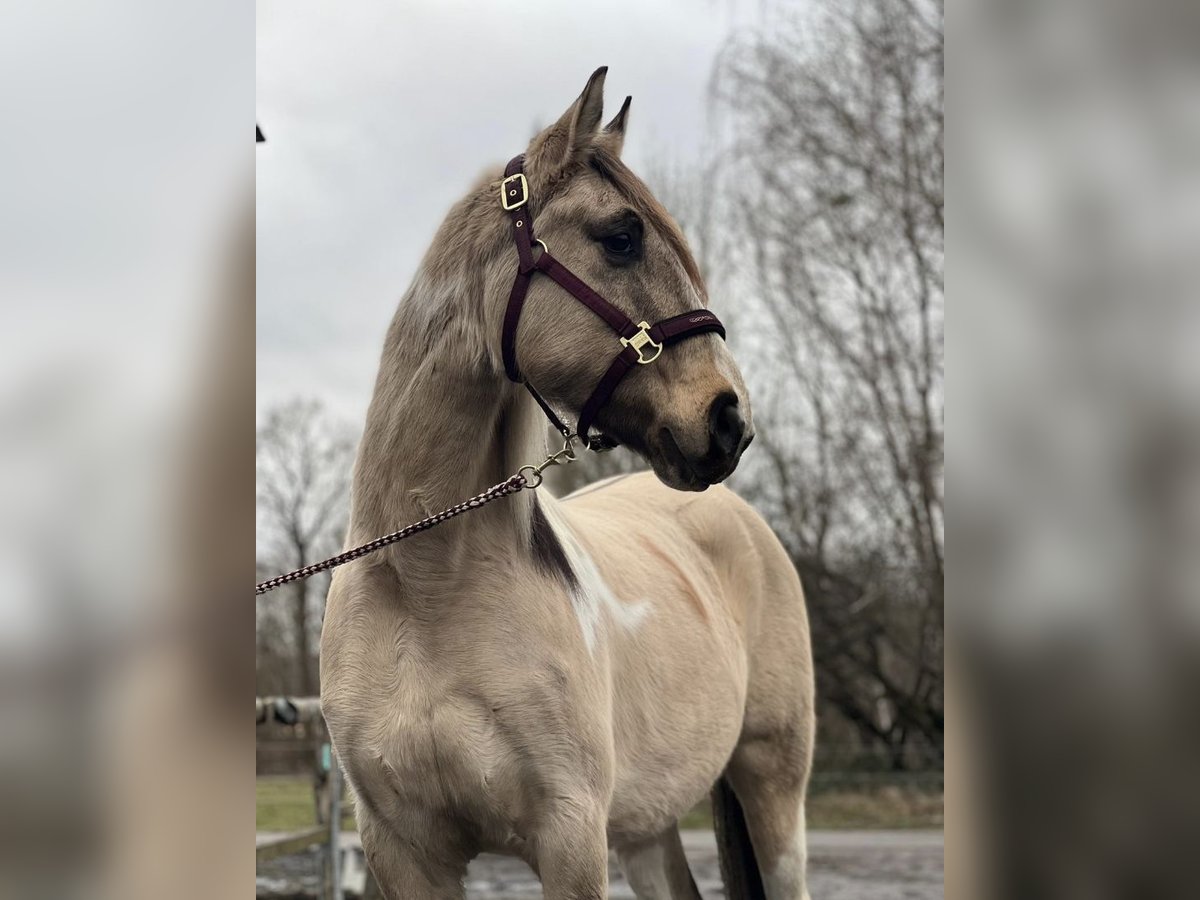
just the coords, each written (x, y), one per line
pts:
(843, 865)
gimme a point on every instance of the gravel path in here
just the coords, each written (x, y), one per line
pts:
(843, 865)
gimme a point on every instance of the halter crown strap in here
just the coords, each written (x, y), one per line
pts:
(641, 343)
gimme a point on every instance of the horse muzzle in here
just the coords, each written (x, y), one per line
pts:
(706, 459)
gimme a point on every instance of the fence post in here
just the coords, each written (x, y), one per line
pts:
(335, 827)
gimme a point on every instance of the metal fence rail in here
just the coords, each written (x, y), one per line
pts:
(293, 712)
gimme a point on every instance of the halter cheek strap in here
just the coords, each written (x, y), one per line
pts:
(641, 344)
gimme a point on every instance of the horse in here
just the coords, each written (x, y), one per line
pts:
(548, 678)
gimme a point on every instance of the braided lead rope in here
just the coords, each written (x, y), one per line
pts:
(513, 485)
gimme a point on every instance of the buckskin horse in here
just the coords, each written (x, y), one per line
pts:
(551, 678)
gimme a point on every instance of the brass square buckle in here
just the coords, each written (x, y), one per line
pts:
(640, 340)
(514, 192)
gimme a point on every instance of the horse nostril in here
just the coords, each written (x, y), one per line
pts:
(725, 424)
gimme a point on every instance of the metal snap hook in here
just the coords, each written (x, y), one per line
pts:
(561, 458)
(535, 472)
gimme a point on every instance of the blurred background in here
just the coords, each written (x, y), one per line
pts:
(800, 146)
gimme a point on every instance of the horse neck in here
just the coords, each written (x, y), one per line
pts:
(443, 425)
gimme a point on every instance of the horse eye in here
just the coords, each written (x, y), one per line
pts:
(618, 244)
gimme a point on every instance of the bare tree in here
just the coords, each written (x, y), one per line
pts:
(835, 181)
(304, 461)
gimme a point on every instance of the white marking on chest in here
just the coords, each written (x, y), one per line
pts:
(592, 597)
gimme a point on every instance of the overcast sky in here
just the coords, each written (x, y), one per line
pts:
(379, 115)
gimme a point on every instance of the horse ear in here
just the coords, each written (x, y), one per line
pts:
(575, 129)
(613, 135)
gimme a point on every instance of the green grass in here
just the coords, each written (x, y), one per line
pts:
(285, 803)
(889, 806)
(884, 807)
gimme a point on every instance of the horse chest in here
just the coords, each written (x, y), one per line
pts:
(430, 753)
(441, 750)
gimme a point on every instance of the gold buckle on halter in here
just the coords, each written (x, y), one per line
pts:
(514, 186)
(640, 340)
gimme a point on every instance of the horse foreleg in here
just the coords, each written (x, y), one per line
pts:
(657, 869)
(572, 850)
(406, 870)
(771, 793)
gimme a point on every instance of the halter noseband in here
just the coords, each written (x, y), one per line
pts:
(641, 344)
